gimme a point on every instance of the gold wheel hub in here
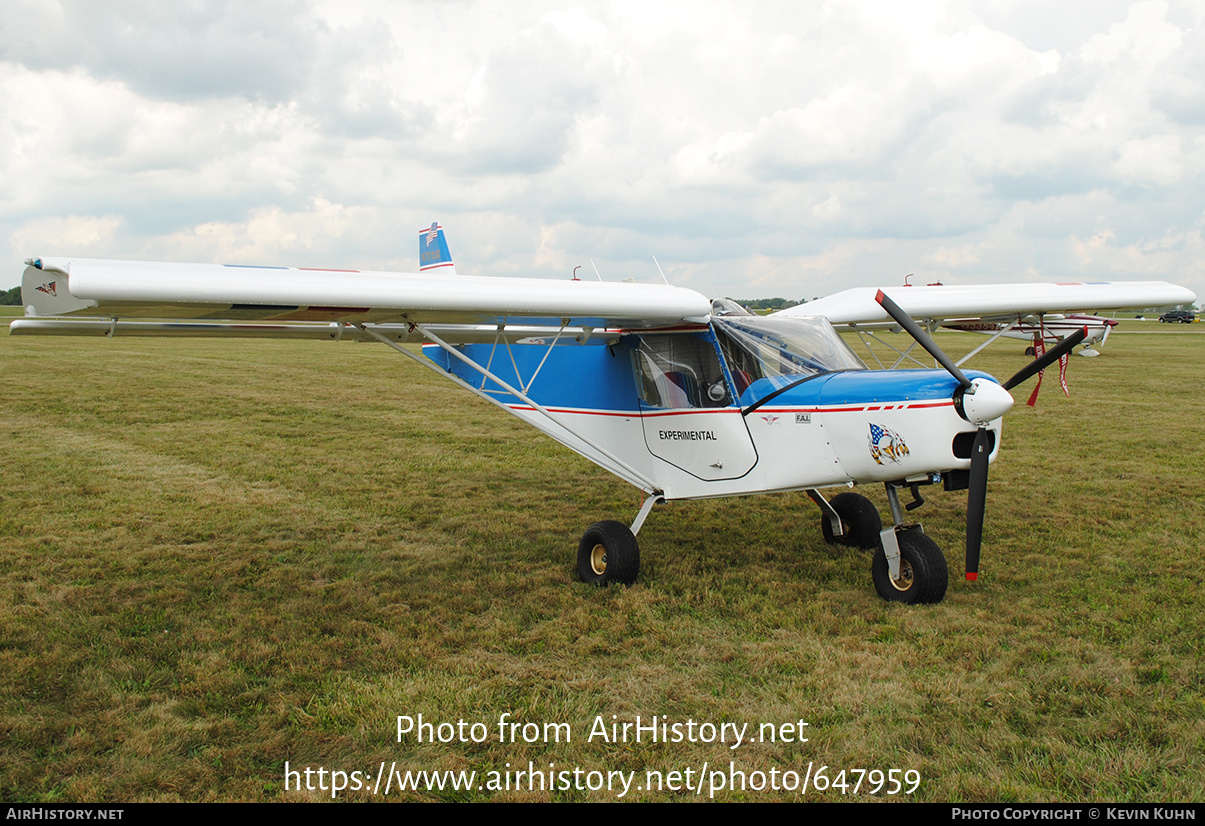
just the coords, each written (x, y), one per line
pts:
(905, 580)
(598, 560)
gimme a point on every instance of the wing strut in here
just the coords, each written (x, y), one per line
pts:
(868, 336)
(604, 457)
(506, 342)
(1004, 329)
(905, 354)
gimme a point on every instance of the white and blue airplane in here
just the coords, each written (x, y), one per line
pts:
(679, 396)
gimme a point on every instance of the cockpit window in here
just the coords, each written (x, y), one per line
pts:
(758, 347)
(679, 370)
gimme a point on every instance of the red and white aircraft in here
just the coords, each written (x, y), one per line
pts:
(1050, 329)
(645, 380)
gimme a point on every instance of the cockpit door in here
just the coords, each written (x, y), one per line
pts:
(688, 409)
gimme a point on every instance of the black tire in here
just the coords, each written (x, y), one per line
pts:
(924, 575)
(1029, 351)
(608, 553)
(859, 520)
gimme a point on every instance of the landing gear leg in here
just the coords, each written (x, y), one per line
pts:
(849, 519)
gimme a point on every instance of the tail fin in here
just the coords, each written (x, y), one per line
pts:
(433, 250)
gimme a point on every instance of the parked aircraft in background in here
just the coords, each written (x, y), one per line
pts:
(1050, 328)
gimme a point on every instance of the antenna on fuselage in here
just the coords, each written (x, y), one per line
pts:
(663, 278)
(596, 272)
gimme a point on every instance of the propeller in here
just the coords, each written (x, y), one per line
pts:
(922, 338)
(976, 501)
(979, 402)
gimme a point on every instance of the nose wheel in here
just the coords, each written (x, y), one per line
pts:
(923, 575)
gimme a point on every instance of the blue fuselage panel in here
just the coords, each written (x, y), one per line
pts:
(590, 376)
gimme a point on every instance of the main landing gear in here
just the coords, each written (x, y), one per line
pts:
(849, 519)
(907, 566)
(609, 552)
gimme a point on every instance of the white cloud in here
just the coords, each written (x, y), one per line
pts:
(274, 236)
(1144, 36)
(85, 235)
(754, 148)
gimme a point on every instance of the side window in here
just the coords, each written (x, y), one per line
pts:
(679, 371)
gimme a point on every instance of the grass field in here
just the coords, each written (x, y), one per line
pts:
(222, 556)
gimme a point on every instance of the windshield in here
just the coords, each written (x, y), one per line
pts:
(758, 347)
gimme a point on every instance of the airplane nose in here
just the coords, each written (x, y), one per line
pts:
(988, 402)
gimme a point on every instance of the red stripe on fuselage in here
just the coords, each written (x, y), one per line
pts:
(731, 410)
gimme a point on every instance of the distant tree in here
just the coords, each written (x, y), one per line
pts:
(765, 303)
(11, 298)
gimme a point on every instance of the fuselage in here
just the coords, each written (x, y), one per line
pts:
(697, 416)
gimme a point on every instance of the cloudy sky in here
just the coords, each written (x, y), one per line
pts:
(756, 149)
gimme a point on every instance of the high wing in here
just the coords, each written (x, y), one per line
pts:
(991, 301)
(89, 296)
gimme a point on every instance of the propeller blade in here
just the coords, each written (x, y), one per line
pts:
(922, 338)
(1052, 355)
(976, 502)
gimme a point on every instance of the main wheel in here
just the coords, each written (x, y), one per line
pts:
(859, 520)
(608, 553)
(923, 572)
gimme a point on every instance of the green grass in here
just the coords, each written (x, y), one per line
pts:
(222, 556)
